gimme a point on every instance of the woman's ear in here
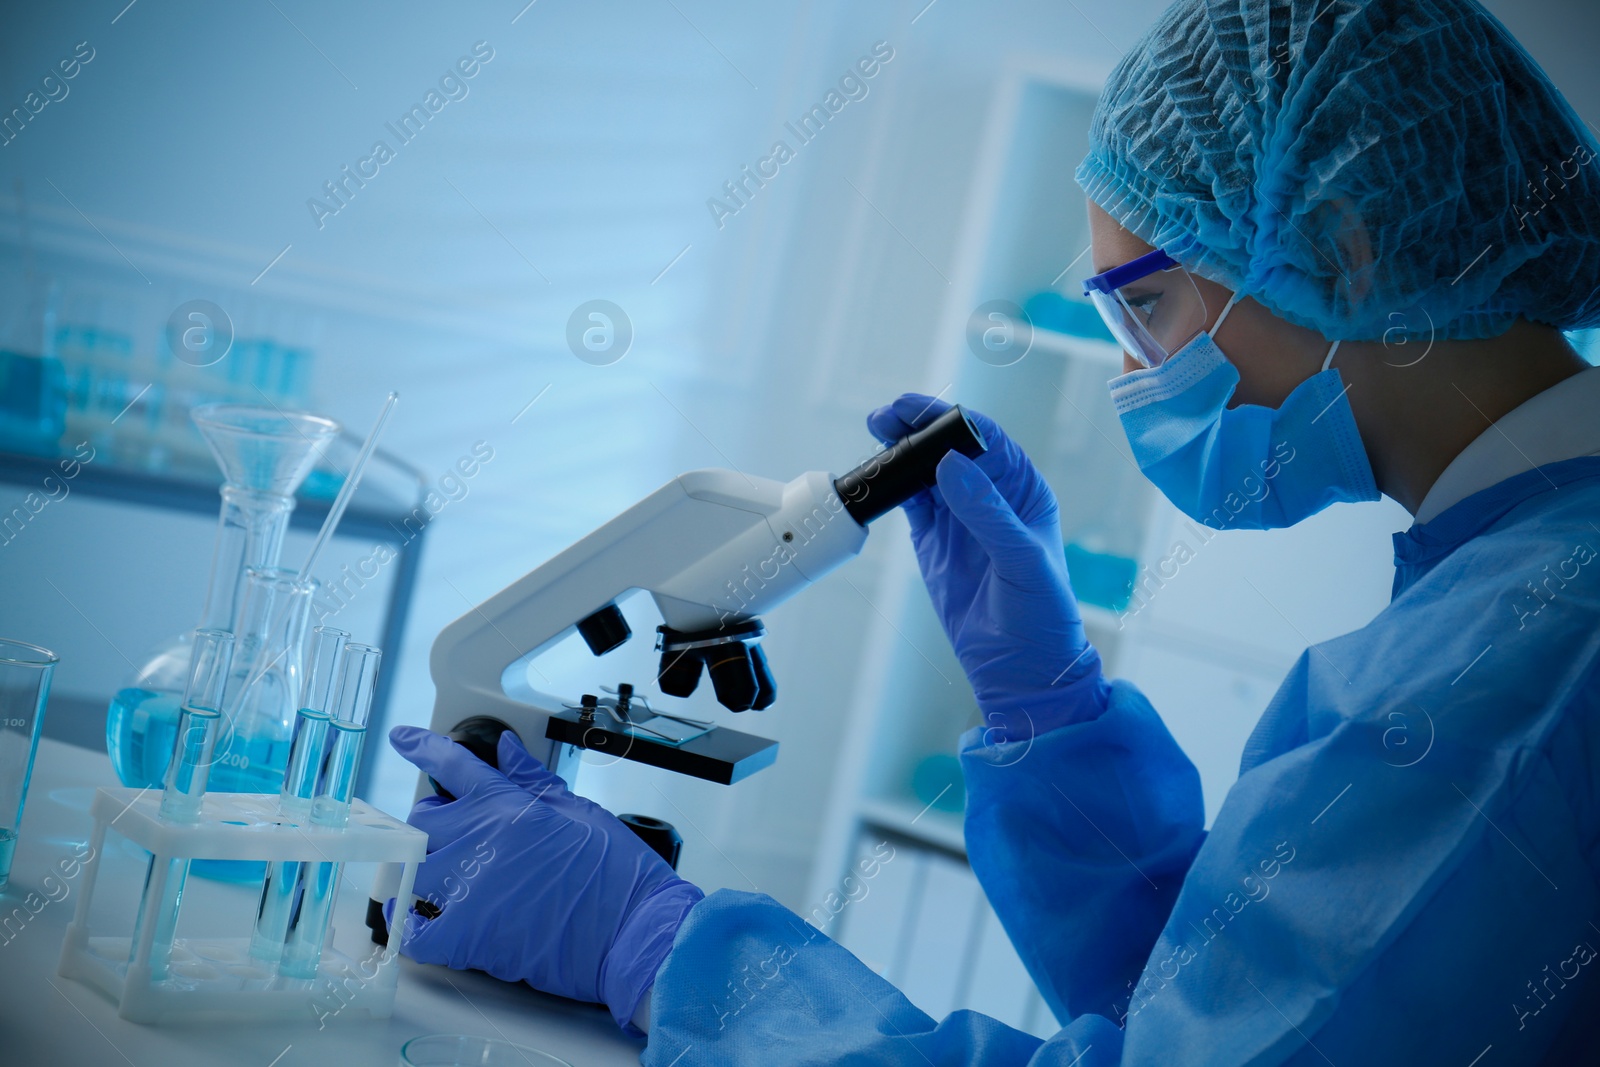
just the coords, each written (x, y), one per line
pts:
(1341, 225)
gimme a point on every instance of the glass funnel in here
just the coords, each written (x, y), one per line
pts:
(264, 454)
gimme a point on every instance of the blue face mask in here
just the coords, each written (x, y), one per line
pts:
(1249, 467)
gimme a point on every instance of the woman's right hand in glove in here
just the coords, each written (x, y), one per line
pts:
(988, 541)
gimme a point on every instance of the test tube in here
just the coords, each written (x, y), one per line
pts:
(347, 731)
(311, 723)
(190, 767)
(184, 790)
(308, 926)
(299, 786)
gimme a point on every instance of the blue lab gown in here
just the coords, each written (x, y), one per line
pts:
(1404, 873)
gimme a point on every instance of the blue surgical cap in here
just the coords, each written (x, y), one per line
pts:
(1371, 169)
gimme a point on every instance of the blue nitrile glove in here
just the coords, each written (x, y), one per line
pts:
(988, 540)
(537, 884)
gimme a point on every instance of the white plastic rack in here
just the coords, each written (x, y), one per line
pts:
(216, 979)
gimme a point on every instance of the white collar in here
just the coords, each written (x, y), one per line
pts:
(1563, 422)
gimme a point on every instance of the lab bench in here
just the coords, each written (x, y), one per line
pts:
(48, 1019)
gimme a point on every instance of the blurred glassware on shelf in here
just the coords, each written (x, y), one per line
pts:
(1101, 578)
(936, 782)
(32, 380)
(33, 403)
(130, 395)
(1050, 310)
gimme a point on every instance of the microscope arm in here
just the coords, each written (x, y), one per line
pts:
(712, 547)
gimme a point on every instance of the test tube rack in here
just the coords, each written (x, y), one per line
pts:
(215, 979)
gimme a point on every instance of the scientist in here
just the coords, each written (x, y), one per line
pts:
(1406, 870)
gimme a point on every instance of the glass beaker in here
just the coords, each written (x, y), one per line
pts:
(25, 672)
(264, 454)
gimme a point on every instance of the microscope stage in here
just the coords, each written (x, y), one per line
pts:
(718, 755)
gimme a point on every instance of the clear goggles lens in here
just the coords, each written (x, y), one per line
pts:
(1150, 304)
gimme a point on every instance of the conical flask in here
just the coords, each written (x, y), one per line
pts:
(263, 695)
(262, 698)
(264, 454)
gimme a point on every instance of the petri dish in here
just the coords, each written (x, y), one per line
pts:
(466, 1050)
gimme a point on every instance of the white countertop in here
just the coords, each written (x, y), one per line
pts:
(48, 1019)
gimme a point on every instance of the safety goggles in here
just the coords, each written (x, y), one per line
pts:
(1150, 304)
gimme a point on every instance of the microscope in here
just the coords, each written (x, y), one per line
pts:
(714, 549)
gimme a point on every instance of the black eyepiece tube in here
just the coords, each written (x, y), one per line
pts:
(907, 467)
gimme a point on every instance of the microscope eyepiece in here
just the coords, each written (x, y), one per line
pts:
(908, 466)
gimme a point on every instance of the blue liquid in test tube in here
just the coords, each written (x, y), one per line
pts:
(187, 774)
(332, 804)
(308, 927)
(306, 750)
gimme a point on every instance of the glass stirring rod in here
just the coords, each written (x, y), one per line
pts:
(308, 927)
(184, 791)
(299, 786)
